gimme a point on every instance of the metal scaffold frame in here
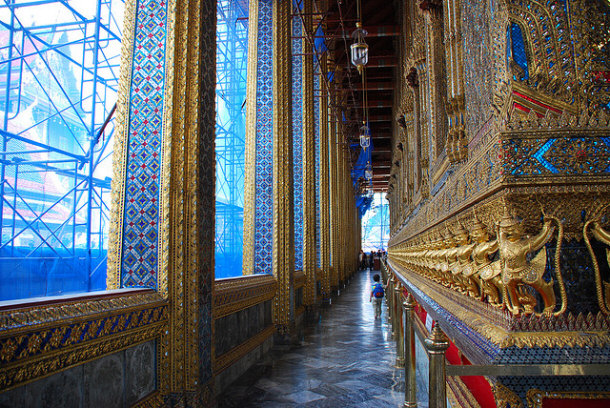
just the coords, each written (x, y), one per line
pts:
(231, 71)
(59, 63)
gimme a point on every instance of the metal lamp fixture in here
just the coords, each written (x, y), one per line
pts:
(359, 49)
(368, 172)
(365, 139)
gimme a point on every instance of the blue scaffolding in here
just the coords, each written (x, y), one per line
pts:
(59, 64)
(231, 72)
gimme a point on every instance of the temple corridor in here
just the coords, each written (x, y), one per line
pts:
(344, 360)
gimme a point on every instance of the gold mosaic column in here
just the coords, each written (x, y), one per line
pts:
(189, 186)
(309, 165)
(283, 197)
(334, 213)
(250, 153)
(324, 182)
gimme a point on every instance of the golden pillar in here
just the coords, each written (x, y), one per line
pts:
(436, 344)
(334, 213)
(325, 226)
(409, 352)
(188, 194)
(309, 165)
(283, 197)
(250, 153)
(398, 330)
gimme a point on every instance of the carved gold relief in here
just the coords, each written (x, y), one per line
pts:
(505, 398)
(518, 273)
(592, 228)
(465, 267)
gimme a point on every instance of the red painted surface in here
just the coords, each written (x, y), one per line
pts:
(478, 386)
(532, 100)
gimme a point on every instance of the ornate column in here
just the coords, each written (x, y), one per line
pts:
(334, 213)
(164, 176)
(309, 166)
(283, 215)
(325, 226)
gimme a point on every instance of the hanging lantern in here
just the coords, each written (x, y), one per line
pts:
(365, 139)
(360, 49)
(368, 172)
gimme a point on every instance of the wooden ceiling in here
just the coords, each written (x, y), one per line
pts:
(381, 20)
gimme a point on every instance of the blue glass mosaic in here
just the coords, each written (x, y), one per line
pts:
(519, 54)
(297, 138)
(141, 219)
(539, 155)
(263, 224)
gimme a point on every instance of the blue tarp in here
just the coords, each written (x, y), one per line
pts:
(363, 202)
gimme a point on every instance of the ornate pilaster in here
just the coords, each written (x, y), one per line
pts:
(164, 175)
(435, 55)
(283, 215)
(325, 226)
(309, 166)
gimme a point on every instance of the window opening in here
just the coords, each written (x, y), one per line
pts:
(59, 69)
(231, 73)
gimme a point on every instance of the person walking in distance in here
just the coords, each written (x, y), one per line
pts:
(376, 297)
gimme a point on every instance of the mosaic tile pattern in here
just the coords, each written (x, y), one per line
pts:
(263, 236)
(561, 156)
(297, 138)
(141, 220)
(316, 113)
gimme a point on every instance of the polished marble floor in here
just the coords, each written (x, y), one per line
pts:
(344, 360)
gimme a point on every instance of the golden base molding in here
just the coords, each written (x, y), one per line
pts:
(32, 369)
(224, 361)
(483, 320)
(299, 279)
(235, 294)
(41, 340)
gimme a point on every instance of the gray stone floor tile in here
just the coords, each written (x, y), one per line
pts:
(344, 360)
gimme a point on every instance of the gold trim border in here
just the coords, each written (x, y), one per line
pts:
(227, 359)
(250, 154)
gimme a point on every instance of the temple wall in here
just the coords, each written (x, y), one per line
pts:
(502, 239)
